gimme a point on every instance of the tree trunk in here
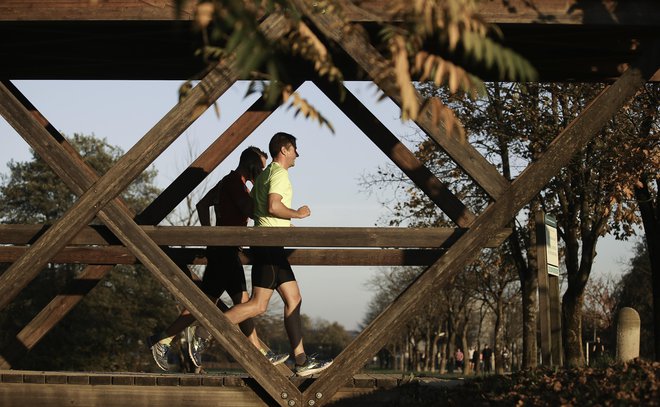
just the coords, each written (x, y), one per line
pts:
(529, 283)
(650, 210)
(464, 344)
(572, 327)
(497, 337)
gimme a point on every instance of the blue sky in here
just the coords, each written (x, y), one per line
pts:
(326, 176)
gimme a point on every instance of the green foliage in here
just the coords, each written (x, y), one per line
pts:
(442, 41)
(107, 329)
(32, 193)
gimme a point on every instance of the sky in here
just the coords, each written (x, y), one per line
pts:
(326, 176)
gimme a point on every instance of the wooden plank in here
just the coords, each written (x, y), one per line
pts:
(382, 137)
(572, 12)
(112, 255)
(249, 236)
(56, 395)
(573, 138)
(88, 10)
(357, 46)
(131, 235)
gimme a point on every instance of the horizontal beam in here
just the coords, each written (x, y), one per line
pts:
(629, 12)
(250, 236)
(302, 257)
(20, 388)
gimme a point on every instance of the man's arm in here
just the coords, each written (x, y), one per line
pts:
(277, 209)
(203, 207)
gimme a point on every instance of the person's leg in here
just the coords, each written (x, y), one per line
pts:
(179, 324)
(290, 293)
(247, 326)
(256, 306)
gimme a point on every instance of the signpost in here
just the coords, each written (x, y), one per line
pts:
(549, 304)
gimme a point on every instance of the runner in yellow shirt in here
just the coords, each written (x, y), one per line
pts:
(272, 194)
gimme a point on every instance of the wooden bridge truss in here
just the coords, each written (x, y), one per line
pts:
(563, 39)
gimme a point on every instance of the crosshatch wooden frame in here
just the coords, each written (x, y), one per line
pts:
(447, 251)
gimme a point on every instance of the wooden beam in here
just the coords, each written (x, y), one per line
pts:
(51, 314)
(112, 255)
(88, 10)
(571, 12)
(574, 138)
(358, 47)
(389, 144)
(116, 179)
(250, 236)
(20, 388)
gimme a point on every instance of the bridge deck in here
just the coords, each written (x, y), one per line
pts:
(34, 388)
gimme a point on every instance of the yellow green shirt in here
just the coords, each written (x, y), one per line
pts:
(273, 180)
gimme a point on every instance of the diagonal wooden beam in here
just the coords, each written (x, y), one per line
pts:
(102, 193)
(358, 47)
(389, 144)
(574, 138)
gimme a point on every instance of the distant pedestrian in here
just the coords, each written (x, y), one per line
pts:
(487, 355)
(597, 351)
(459, 356)
(505, 359)
(476, 355)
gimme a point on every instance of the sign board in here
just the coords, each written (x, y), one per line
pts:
(552, 250)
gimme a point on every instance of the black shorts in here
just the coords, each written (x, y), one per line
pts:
(224, 272)
(271, 267)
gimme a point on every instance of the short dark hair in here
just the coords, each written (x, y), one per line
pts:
(251, 161)
(280, 140)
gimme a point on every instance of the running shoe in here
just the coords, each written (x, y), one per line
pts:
(196, 346)
(160, 352)
(276, 358)
(312, 365)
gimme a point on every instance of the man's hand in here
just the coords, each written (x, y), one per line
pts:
(303, 212)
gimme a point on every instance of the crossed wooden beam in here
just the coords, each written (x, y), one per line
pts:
(98, 199)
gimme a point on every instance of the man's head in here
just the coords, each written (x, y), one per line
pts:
(253, 161)
(282, 148)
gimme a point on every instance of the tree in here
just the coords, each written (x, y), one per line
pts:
(107, 329)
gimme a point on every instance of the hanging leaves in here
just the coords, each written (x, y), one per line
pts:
(433, 40)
